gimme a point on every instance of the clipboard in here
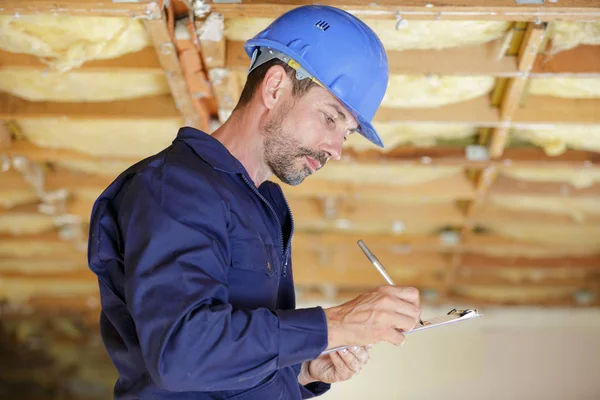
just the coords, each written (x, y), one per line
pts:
(452, 316)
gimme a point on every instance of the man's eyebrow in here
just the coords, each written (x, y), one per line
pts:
(342, 115)
(338, 110)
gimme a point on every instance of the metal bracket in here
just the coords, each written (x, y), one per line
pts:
(477, 153)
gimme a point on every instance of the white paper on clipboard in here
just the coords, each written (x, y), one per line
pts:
(451, 317)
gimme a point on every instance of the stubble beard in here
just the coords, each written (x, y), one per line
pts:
(282, 150)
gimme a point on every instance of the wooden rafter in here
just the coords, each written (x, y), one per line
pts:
(506, 10)
(144, 60)
(98, 8)
(194, 112)
(479, 59)
(156, 107)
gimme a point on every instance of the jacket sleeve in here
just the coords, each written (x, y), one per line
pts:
(175, 249)
(314, 389)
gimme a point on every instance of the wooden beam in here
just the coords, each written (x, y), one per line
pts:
(374, 217)
(157, 107)
(98, 8)
(476, 261)
(5, 137)
(528, 50)
(505, 185)
(506, 10)
(555, 110)
(489, 213)
(478, 111)
(467, 60)
(194, 113)
(581, 61)
(144, 60)
(535, 157)
(46, 154)
(449, 187)
(353, 269)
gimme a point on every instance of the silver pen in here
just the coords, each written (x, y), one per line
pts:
(377, 264)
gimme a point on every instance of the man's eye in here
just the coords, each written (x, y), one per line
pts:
(328, 119)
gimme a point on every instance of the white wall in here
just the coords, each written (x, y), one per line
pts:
(507, 354)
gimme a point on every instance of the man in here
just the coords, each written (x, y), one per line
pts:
(192, 246)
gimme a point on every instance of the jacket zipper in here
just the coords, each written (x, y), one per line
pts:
(279, 229)
(285, 254)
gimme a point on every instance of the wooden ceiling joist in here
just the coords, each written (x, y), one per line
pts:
(581, 61)
(506, 10)
(156, 107)
(478, 111)
(509, 186)
(98, 8)
(144, 60)
(477, 60)
(556, 110)
(477, 261)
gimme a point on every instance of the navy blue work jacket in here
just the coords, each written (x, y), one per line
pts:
(196, 285)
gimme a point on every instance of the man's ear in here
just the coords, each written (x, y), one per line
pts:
(274, 86)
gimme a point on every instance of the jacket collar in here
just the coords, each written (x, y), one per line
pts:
(210, 150)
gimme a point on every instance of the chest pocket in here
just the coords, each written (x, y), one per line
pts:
(254, 255)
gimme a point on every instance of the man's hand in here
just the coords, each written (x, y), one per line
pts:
(380, 315)
(334, 367)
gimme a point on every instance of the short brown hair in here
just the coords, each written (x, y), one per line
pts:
(255, 78)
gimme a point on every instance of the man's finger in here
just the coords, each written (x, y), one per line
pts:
(352, 362)
(360, 353)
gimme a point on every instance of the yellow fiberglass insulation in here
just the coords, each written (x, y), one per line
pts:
(412, 34)
(82, 86)
(578, 177)
(66, 42)
(575, 88)
(557, 138)
(568, 34)
(395, 134)
(418, 91)
(110, 138)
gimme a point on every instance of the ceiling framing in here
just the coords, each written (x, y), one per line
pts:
(445, 235)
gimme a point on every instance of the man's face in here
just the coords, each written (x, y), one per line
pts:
(304, 133)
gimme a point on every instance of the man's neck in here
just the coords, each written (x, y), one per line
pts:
(241, 136)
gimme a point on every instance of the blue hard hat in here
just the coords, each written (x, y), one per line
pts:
(334, 48)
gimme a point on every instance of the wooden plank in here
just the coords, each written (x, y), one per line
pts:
(489, 213)
(5, 136)
(347, 241)
(351, 268)
(475, 261)
(195, 114)
(46, 154)
(478, 111)
(449, 187)
(144, 60)
(374, 217)
(157, 107)
(535, 157)
(505, 185)
(425, 10)
(581, 61)
(97, 8)
(466, 60)
(555, 110)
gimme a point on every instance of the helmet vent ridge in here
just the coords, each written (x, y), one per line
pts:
(322, 25)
